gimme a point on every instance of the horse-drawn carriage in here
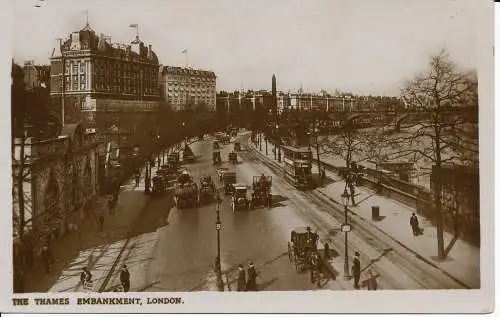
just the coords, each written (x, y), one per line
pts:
(261, 195)
(229, 179)
(303, 251)
(233, 158)
(240, 199)
(207, 189)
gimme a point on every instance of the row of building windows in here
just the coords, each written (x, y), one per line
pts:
(111, 69)
(193, 85)
(191, 94)
(192, 89)
(185, 78)
(182, 100)
(117, 85)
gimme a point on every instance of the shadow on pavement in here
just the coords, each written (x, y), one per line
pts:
(262, 286)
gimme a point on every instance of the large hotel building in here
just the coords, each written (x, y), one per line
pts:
(183, 88)
(105, 85)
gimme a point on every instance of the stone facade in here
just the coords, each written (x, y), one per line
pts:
(187, 87)
(61, 178)
(88, 73)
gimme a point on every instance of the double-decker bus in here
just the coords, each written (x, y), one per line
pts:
(297, 164)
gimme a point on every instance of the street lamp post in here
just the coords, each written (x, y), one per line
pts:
(278, 141)
(265, 139)
(218, 227)
(346, 228)
(260, 140)
(147, 177)
(316, 135)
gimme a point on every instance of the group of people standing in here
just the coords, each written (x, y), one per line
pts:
(247, 281)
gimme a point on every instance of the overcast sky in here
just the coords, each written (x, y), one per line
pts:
(363, 46)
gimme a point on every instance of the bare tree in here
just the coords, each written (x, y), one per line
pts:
(352, 145)
(445, 133)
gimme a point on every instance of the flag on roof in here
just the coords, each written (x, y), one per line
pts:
(184, 51)
(133, 25)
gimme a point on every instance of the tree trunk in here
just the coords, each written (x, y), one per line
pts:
(439, 216)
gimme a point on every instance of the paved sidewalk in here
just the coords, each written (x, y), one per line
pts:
(463, 261)
(90, 247)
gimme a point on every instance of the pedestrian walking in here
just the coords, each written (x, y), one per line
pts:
(356, 270)
(101, 222)
(327, 251)
(111, 204)
(241, 279)
(125, 278)
(46, 258)
(137, 178)
(415, 227)
(252, 278)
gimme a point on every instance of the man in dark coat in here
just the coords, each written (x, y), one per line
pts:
(46, 258)
(101, 222)
(415, 227)
(241, 279)
(111, 204)
(252, 278)
(125, 278)
(356, 270)
(137, 178)
(327, 251)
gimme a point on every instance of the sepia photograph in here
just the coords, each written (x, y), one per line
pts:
(184, 156)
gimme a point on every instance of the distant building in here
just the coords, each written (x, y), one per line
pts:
(183, 88)
(36, 76)
(106, 86)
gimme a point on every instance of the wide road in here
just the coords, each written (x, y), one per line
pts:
(187, 240)
(187, 246)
